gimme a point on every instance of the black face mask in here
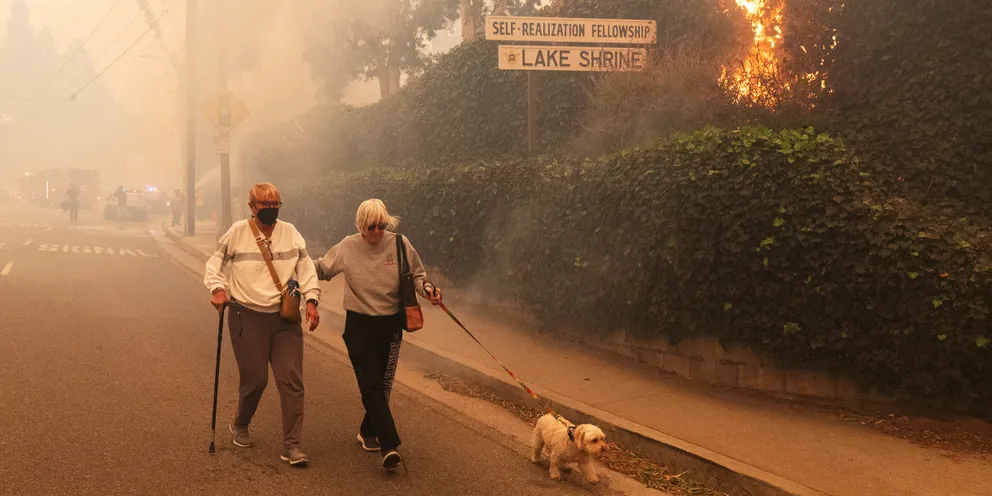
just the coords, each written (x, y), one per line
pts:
(268, 216)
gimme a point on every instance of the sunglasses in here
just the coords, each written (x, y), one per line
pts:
(268, 204)
(382, 227)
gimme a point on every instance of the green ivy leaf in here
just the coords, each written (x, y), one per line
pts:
(765, 261)
(981, 342)
(791, 328)
(916, 253)
(781, 210)
(913, 275)
(942, 337)
(779, 222)
(728, 306)
(770, 240)
(937, 302)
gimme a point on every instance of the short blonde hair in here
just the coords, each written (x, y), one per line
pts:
(264, 192)
(372, 212)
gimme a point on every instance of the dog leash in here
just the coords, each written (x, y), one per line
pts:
(547, 406)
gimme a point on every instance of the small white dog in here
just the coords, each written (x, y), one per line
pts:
(568, 444)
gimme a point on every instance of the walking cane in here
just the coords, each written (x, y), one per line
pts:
(213, 415)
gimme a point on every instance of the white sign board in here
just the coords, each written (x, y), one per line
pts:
(562, 30)
(586, 59)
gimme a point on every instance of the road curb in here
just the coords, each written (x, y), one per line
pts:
(705, 466)
(183, 244)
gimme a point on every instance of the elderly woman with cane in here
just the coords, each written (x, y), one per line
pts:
(371, 261)
(265, 256)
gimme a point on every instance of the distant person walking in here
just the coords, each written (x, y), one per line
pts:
(72, 202)
(373, 329)
(259, 335)
(121, 196)
(177, 207)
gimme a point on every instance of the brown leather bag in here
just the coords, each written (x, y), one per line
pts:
(413, 316)
(289, 303)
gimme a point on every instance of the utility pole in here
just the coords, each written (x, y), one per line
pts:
(191, 11)
(225, 124)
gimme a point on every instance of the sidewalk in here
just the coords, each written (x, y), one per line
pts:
(821, 455)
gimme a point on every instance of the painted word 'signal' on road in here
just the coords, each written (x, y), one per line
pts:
(538, 58)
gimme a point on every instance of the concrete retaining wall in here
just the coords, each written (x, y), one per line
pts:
(706, 360)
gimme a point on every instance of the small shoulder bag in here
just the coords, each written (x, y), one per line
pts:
(289, 301)
(413, 316)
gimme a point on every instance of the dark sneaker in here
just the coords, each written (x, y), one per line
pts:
(369, 444)
(295, 457)
(391, 460)
(241, 437)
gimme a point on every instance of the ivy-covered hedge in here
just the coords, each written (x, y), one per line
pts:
(778, 240)
(918, 111)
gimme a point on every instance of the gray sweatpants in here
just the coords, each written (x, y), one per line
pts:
(258, 339)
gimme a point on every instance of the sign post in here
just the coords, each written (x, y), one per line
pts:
(531, 112)
(225, 111)
(576, 57)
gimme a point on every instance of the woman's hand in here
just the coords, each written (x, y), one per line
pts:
(313, 316)
(433, 293)
(218, 299)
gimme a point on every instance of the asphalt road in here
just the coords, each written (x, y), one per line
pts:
(106, 372)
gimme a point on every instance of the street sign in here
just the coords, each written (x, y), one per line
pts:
(222, 143)
(562, 30)
(225, 111)
(561, 58)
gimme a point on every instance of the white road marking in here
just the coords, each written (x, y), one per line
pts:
(49, 228)
(95, 250)
(28, 242)
(6, 268)
(1, 244)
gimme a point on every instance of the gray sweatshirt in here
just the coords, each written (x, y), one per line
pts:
(372, 281)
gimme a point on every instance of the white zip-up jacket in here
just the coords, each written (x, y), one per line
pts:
(248, 281)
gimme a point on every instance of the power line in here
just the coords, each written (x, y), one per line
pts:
(80, 11)
(126, 50)
(72, 57)
(48, 105)
(107, 49)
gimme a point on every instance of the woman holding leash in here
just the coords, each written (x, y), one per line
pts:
(373, 329)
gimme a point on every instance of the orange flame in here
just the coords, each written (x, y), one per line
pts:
(749, 83)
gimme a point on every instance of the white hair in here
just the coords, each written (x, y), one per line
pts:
(372, 212)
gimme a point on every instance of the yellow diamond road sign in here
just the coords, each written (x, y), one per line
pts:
(225, 111)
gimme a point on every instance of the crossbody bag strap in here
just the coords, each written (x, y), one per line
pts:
(399, 264)
(266, 253)
(402, 260)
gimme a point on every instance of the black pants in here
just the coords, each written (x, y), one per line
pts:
(73, 212)
(374, 348)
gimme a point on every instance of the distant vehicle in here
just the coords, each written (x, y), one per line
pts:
(47, 187)
(137, 209)
(156, 199)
